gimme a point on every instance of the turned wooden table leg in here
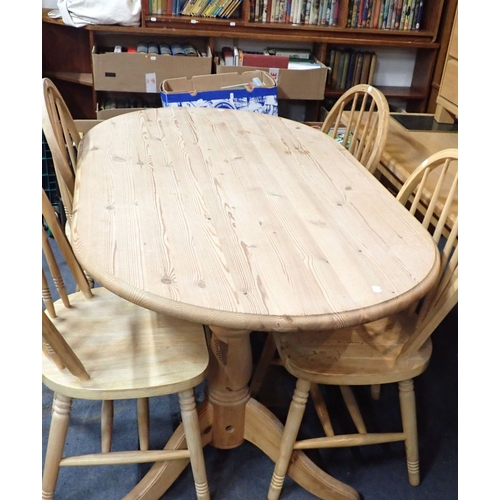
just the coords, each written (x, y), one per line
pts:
(229, 416)
(229, 372)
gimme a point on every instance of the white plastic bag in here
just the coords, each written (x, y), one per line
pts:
(79, 13)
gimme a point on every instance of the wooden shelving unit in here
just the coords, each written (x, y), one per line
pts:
(66, 51)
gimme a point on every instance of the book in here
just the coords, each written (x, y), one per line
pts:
(358, 64)
(263, 61)
(177, 49)
(342, 61)
(398, 6)
(335, 70)
(344, 69)
(350, 8)
(307, 11)
(328, 12)
(381, 14)
(355, 13)
(412, 15)
(266, 4)
(390, 14)
(314, 12)
(335, 13)
(299, 53)
(350, 70)
(365, 68)
(405, 15)
(373, 67)
(366, 10)
(386, 14)
(331, 62)
(227, 55)
(418, 15)
(409, 10)
(302, 64)
(375, 14)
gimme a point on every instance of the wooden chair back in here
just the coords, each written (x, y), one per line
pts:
(362, 115)
(63, 140)
(53, 225)
(439, 181)
(53, 343)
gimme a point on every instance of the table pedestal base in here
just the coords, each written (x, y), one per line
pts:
(263, 430)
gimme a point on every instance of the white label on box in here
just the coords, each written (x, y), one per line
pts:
(274, 72)
(150, 82)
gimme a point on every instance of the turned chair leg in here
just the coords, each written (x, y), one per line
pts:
(409, 417)
(59, 424)
(107, 413)
(143, 423)
(193, 439)
(292, 425)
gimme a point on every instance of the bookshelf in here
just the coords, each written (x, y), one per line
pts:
(71, 64)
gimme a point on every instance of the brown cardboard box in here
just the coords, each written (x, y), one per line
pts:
(129, 72)
(292, 83)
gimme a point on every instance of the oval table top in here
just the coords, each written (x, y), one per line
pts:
(244, 221)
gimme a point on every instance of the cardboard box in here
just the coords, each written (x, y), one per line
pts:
(132, 72)
(307, 84)
(218, 91)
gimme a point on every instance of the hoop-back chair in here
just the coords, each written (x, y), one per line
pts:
(394, 349)
(63, 139)
(98, 346)
(361, 117)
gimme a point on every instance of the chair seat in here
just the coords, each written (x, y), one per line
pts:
(360, 355)
(139, 351)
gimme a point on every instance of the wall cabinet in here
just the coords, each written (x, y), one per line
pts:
(67, 51)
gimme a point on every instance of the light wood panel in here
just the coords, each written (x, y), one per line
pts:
(447, 99)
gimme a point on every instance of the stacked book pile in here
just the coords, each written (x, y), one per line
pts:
(385, 14)
(350, 67)
(312, 12)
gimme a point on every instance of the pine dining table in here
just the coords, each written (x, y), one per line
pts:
(243, 222)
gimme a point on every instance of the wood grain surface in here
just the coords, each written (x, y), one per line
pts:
(244, 221)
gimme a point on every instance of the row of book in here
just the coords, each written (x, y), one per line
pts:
(381, 14)
(128, 102)
(350, 67)
(385, 14)
(173, 49)
(210, 8)
(307, 12)
(157, 7)
(166, 7)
